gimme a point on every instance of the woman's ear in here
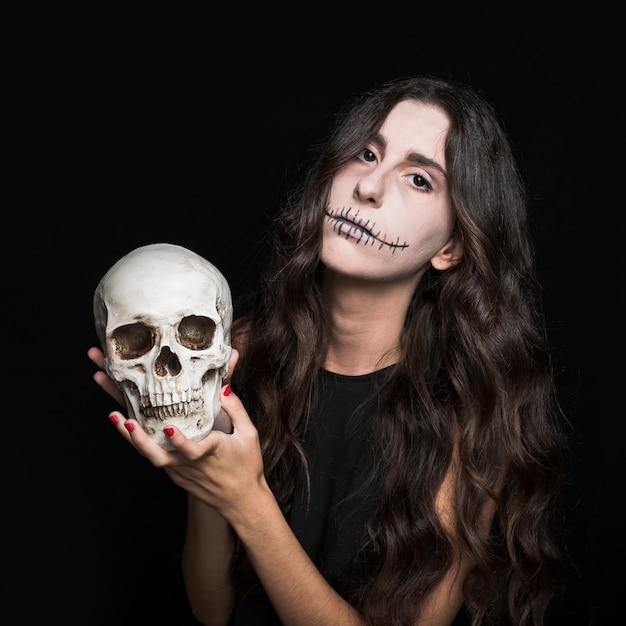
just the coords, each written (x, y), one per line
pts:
(449, 255)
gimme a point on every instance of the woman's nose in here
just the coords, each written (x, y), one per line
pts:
(369, 189)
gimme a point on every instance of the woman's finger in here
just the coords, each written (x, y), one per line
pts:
(222, 421)
(188, 449)
(234, 357)
(105, 382)
(97, 356)
(132, 431)
(109, 386)
(118, 420)
(233, 407)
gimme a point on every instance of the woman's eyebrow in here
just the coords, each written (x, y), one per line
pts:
(413, 157)
(420, 159)
(379, 140)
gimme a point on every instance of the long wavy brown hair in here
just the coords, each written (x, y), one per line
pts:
(474, 372)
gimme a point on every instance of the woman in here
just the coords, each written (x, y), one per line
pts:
(394, 458)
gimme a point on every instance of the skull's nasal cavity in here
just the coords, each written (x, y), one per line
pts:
(167, 363)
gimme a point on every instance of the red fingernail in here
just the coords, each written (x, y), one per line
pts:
(114, 418)
(227, 390)
(129, 426)
(169, 431)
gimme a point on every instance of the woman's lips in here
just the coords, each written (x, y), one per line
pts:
(353, 227)
(350, 226)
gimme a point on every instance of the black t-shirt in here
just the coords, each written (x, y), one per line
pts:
(341, 455)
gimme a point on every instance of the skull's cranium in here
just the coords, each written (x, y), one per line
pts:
(163, 317)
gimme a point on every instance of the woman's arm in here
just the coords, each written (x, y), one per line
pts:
(207, 556)
(299, 593)
(223, 475)
(224, 478)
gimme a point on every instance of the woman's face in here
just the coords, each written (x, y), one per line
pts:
(389, 213)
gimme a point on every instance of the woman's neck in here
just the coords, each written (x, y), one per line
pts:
(366, 320)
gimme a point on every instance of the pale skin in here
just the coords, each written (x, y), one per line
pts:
(396, 191)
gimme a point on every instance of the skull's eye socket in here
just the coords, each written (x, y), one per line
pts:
(132, 340)
(196, 332)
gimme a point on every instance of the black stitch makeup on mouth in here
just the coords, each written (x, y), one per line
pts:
(340, 217)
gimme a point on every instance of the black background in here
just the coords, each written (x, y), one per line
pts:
(135, 134)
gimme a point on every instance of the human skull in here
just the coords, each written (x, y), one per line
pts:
(163, 317)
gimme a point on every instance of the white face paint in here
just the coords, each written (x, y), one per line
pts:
(389, 213)
(163, 316)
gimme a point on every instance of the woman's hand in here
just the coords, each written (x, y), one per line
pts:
(225, 471)
(102, 379)
(221, 470)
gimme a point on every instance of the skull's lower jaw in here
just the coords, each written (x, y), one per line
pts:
(193, 427)
(194, 418)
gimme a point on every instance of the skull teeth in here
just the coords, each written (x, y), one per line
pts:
(164, 411)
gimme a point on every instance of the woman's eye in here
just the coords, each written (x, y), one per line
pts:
(420, 182)
(367, 155)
